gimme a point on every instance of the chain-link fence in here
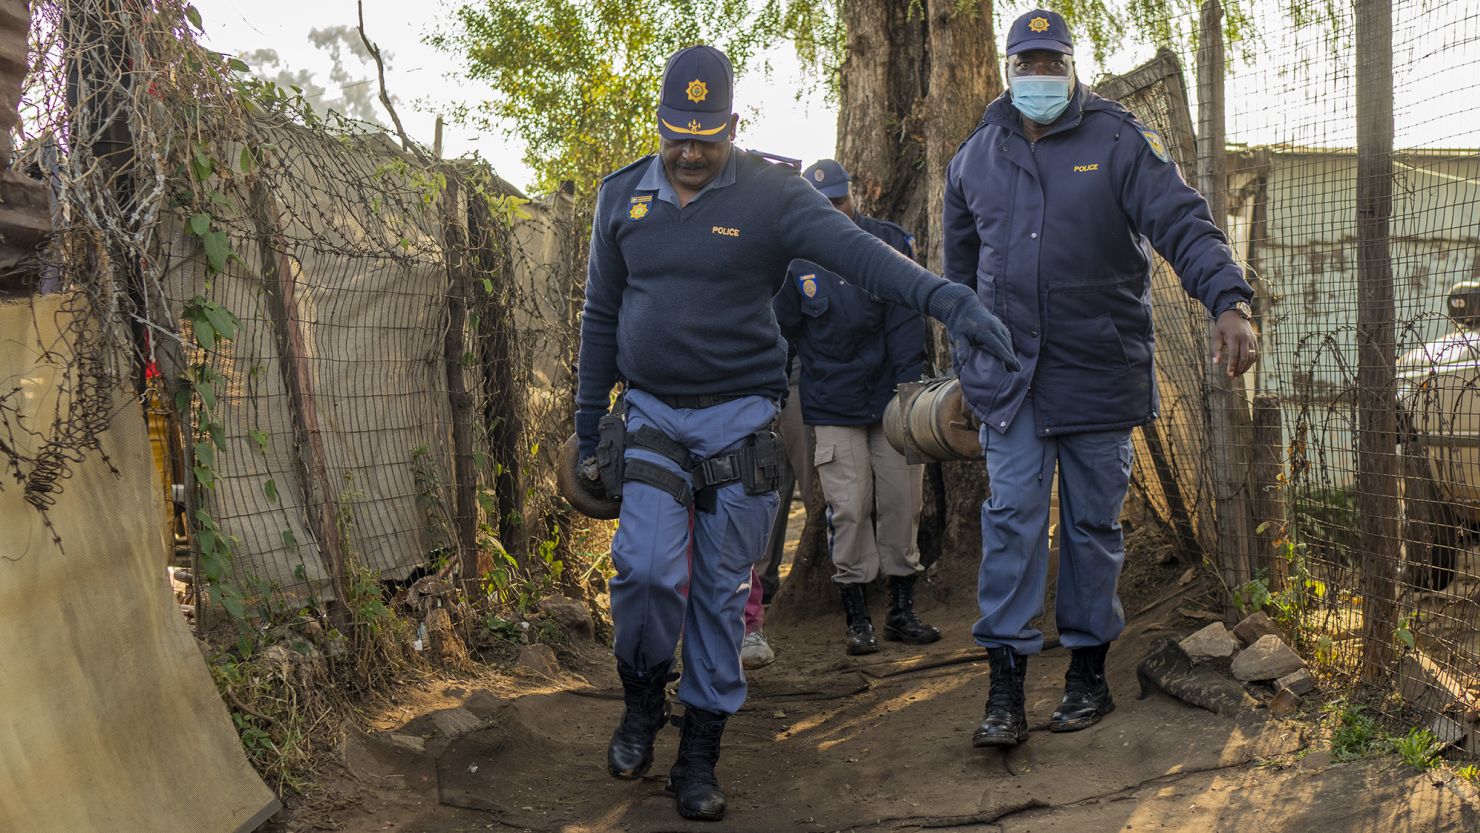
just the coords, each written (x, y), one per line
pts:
(1354, 481)
(354, 356)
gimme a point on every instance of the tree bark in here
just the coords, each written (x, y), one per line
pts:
(912, 88)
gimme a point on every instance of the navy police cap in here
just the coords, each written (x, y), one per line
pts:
(1039, 29)
(697, 96)
(828, 177)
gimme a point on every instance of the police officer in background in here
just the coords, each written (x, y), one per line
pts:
(688, 248)
(854, 349)
(1052, 208)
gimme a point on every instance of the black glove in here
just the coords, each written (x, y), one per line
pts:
(589, 477)
(971, 325)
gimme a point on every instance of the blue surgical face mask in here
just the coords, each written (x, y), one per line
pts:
(1042, 98)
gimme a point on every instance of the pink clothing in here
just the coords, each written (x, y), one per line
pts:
(755, 613)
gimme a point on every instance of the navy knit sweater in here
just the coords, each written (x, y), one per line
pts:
(678, 301)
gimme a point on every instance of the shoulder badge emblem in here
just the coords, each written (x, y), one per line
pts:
(698, 91)
(1038, 24)
(1158, 147)
(809, 285)
(639, 208)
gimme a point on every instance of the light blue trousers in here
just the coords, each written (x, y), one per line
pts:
(1094, 472)
(657, 595)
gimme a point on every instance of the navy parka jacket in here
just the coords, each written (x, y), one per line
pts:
(853, 347)
(1056, 237)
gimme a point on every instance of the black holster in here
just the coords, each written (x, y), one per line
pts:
(611, 448)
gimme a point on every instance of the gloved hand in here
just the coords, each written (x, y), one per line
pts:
(970, 323)
(590, 477)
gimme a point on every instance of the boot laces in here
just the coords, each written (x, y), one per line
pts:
(698, 752)
(644, 712)
(1003, 693)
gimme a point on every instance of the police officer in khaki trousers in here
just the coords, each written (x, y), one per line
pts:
(854, 349)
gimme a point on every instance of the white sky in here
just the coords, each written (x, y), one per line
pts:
(772, 119)
(1437, 64)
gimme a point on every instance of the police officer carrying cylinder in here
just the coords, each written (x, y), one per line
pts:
(688, 248)
(1052, 208)
(854, 349)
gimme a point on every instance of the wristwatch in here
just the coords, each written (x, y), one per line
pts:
(1245, 311)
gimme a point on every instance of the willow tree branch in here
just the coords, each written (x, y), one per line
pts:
(385, 97)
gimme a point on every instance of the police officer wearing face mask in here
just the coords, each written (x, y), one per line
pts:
(854, 349)
(1052, 209)
(688, 248)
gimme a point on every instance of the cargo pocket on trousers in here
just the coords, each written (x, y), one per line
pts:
(822, 455)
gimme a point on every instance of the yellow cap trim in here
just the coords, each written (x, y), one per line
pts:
(693, 132)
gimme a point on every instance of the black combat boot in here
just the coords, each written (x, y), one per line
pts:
(860, 635)
(901, 624)
(1086, 694)
(1005, 723)
(692, 780)
(630, 753)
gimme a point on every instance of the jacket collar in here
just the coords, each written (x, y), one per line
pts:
(655, 178)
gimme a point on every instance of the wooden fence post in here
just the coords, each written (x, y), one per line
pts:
(1235, 527)
(280, 293)
(455, 348)
(1267, 489)
(1377, 481)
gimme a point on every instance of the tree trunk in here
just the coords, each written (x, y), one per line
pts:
(911, 90)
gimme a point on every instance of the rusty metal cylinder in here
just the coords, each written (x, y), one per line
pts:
(923, 422)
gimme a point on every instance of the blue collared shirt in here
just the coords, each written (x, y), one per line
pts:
(656, 179)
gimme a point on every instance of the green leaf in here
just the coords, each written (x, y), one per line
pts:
(260, 438)
(207, 394)
(1405, 636)
(218, 248)
(222, 319)
(290, 540)
(238, 65)
(205, 454)
(205, 333)
(205, 540)
(205, 477)
(200, 224)
(215, 567)
(232, 600)
(247, 162)
(269, 489)
(202, 166)
(193, 15)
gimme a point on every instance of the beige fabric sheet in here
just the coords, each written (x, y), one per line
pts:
(109, 720)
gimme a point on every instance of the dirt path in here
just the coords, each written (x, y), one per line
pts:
(828, 743)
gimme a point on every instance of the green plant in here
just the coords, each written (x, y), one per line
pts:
(1419, 749)
(1354, 734)
(1469, 772)
(500, 628)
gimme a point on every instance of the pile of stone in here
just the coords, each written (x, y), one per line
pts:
(1218, 669)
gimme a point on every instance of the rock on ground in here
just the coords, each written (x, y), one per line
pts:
(1269, 658)
(1212, 642)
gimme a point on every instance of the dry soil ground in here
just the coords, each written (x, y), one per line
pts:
(878, 743)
